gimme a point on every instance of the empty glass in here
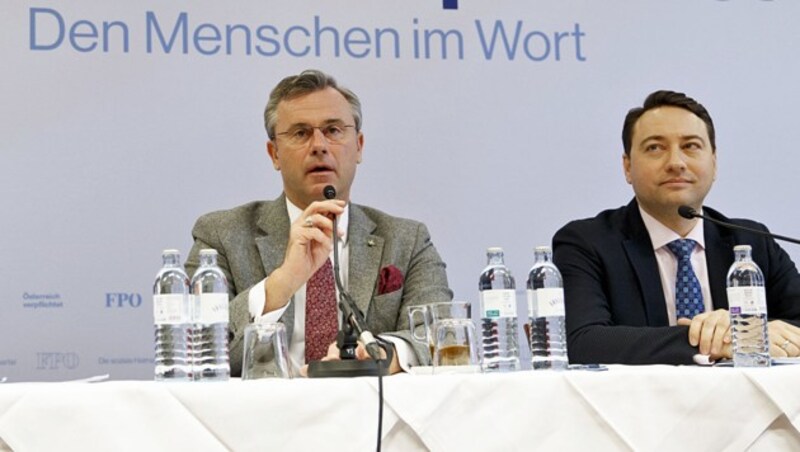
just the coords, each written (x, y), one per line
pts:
(265, 352)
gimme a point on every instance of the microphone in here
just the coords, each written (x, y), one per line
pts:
(351, 312)
(329, 192)
(689, 213)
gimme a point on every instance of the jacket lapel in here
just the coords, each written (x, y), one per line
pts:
(365, 250)
(719, 257)
(274, 224)
(639, 249)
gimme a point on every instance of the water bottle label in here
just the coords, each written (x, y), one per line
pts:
(546, 302)
(499, 303)
(170, 309)
(213, 308)
(747, 300)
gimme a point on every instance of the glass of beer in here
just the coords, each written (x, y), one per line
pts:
(455, 346)
(423, 331)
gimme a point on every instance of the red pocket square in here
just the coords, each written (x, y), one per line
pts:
(391, 279)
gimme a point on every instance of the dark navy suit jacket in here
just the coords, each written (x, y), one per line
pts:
(615, 307)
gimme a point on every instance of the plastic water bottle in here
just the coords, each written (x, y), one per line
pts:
(210, 332)
(747, 304)
(548, 337)
(172, 319)
(498, 315)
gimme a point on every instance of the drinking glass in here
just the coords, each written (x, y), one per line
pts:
(265, 352)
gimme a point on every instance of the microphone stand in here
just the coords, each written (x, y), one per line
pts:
(347, 338)
(348, 365)
(689, 213)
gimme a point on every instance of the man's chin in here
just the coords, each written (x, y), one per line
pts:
(670, 206)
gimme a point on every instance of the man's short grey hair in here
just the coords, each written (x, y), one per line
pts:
(306, 82)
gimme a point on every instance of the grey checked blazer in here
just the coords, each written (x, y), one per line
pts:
(251, 241)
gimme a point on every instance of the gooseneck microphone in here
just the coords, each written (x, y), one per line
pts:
(689, 213)
(355, 323)
(351, 312)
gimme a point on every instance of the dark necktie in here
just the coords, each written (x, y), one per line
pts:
(321, 322)
(688, 295)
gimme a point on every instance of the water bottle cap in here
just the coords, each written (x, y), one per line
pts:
(543, 249)
(170, 251)
(208, 252)
(742, 248)
(494, 249)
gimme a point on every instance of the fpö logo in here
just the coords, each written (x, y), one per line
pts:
(57, 360)
(118, 300)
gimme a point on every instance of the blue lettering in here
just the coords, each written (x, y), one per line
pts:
(287, 36)
(107, 27)
(501, 39)
(578, 34)
(181, 26)
(84, 36)
(74, 34)
(276, 46)
(229, 37)
(546, 46)
(214, 36)
(318, 32)
(54, 361)
(34, 44)
(416, 38)
(443, 35)
(392, 32)
(121, 299)
(488, 50)
(559, 36)
(350, 40)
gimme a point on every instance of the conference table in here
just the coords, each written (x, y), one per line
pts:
(645, 408)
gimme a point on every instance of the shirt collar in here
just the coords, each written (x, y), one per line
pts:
(343, 222)
(660, 235)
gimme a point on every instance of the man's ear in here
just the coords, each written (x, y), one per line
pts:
(626, 166)
(272, 150)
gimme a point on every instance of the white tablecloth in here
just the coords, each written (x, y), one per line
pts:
(644, 408)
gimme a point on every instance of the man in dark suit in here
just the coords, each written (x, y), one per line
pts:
(621, 267)
(276, 254)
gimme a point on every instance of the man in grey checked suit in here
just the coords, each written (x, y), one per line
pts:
(270, 249)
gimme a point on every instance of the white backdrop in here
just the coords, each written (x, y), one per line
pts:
(110, 148)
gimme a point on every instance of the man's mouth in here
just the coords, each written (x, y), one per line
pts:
(676, 181)
(320, 169)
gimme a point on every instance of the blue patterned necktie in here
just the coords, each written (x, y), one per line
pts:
(688, 295)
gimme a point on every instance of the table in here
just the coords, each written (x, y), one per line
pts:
(626, 408)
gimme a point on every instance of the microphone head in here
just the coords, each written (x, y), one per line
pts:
(329, 192)
(687, 212)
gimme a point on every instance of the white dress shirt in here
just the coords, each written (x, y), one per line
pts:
(257, 299)
(660, 236)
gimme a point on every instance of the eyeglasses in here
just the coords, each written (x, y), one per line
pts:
(299, 135)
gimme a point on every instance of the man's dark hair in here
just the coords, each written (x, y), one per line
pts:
(665, 98)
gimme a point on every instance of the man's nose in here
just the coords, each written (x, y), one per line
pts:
(318, 141)
(676, 160)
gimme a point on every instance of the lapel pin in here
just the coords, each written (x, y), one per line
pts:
(371, 242)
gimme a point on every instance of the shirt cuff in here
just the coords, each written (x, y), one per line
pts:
(256, 299)
(703, 360)
(406, 357)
